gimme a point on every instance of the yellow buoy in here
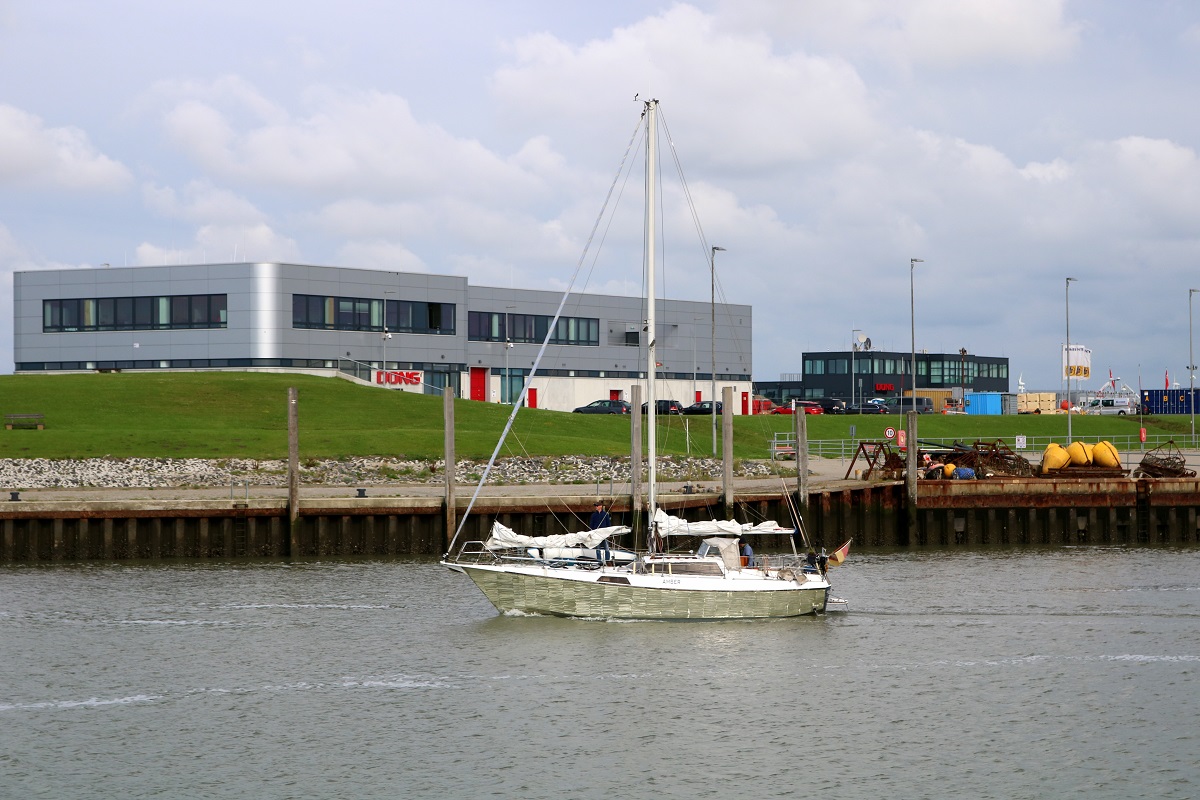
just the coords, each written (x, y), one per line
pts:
(1055, 457)
(1106, 455)
(948, 470)
(1078, 454)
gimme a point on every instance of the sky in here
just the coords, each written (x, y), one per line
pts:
(1009, 144)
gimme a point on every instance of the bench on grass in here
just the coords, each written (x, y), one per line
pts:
(24, 421)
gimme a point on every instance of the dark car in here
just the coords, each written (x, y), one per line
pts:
(866, 408)
(605, 407)
(703, 407)
(665, 407)
(831, 405)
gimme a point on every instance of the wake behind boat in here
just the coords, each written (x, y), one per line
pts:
(579, 575)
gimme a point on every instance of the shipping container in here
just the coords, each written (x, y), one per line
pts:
(981, 403)
(1168, 401)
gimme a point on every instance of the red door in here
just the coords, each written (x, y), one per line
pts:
(479, 381)
(614, 394)
(531, 398)
(697, 400)
(745, 403)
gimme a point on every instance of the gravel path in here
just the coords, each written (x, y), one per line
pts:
(66, 479)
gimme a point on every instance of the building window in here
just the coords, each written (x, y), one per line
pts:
(175, 312)
(365, 314)
(498, 326)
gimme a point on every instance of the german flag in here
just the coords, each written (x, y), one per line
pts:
(839, 555)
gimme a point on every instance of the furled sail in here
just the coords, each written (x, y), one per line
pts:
(674, 526)
(504, 537)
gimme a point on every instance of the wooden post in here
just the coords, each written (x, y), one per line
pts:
(448, 447)
(802, 461)
(293, 422)
(727, 447)
(910, 473)
(635, 459)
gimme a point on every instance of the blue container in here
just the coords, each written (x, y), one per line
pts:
(1168, 401)
(984, 403)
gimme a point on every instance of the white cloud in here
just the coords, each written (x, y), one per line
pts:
(384, 255)
(200, 202)
(32, 154)
(950, 32)
(732, 99)
(940, 33)
(343, 144)
(222, 243)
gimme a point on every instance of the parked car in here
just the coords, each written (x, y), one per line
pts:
(605, 407)
(703, 407)
(763, 405)
(866, 408)
(831, 405)
(899, 405)
(665, 407)
(807, 406)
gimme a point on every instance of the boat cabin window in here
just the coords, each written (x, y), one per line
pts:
(684, 568)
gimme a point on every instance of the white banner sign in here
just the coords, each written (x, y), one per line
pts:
(1078, 364)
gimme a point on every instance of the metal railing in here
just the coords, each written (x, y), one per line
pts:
(1130, 446)
(357, 369)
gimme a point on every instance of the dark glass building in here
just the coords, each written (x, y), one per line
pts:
(877, 373)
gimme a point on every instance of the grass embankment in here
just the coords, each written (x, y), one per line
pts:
(244, 415)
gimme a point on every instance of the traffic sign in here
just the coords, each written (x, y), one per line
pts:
(890, 433)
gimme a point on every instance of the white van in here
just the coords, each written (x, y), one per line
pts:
(902, 405)
(1112, 405)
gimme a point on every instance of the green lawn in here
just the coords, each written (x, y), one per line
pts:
(227, 415)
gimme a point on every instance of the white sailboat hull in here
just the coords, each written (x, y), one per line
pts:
(621, 594)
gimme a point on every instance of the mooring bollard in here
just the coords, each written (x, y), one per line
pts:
(14, 497)
(362, 492)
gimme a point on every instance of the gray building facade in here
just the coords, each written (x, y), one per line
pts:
(480, 340)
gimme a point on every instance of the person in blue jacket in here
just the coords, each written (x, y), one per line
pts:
(601, 519)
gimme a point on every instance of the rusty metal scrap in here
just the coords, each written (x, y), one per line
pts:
(998, 459)
(1166, 461)
(881, 458)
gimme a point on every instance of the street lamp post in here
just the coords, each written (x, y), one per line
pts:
(853, 349)
(712, 266)
(1191, 368)
(1068, 358)
(962, 374)
(912, 317)
(506, 389)
(386, 334)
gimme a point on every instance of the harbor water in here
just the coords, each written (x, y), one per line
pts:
(1028, 674)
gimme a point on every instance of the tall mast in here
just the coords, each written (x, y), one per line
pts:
(651, 328)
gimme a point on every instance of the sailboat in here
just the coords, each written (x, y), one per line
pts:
(712, 581)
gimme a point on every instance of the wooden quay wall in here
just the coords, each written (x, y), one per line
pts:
(993, 513)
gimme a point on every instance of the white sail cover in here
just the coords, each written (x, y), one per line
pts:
(668, 526)
(730, 553)
(504, 537)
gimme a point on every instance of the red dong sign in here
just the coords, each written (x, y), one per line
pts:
(398, 377)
